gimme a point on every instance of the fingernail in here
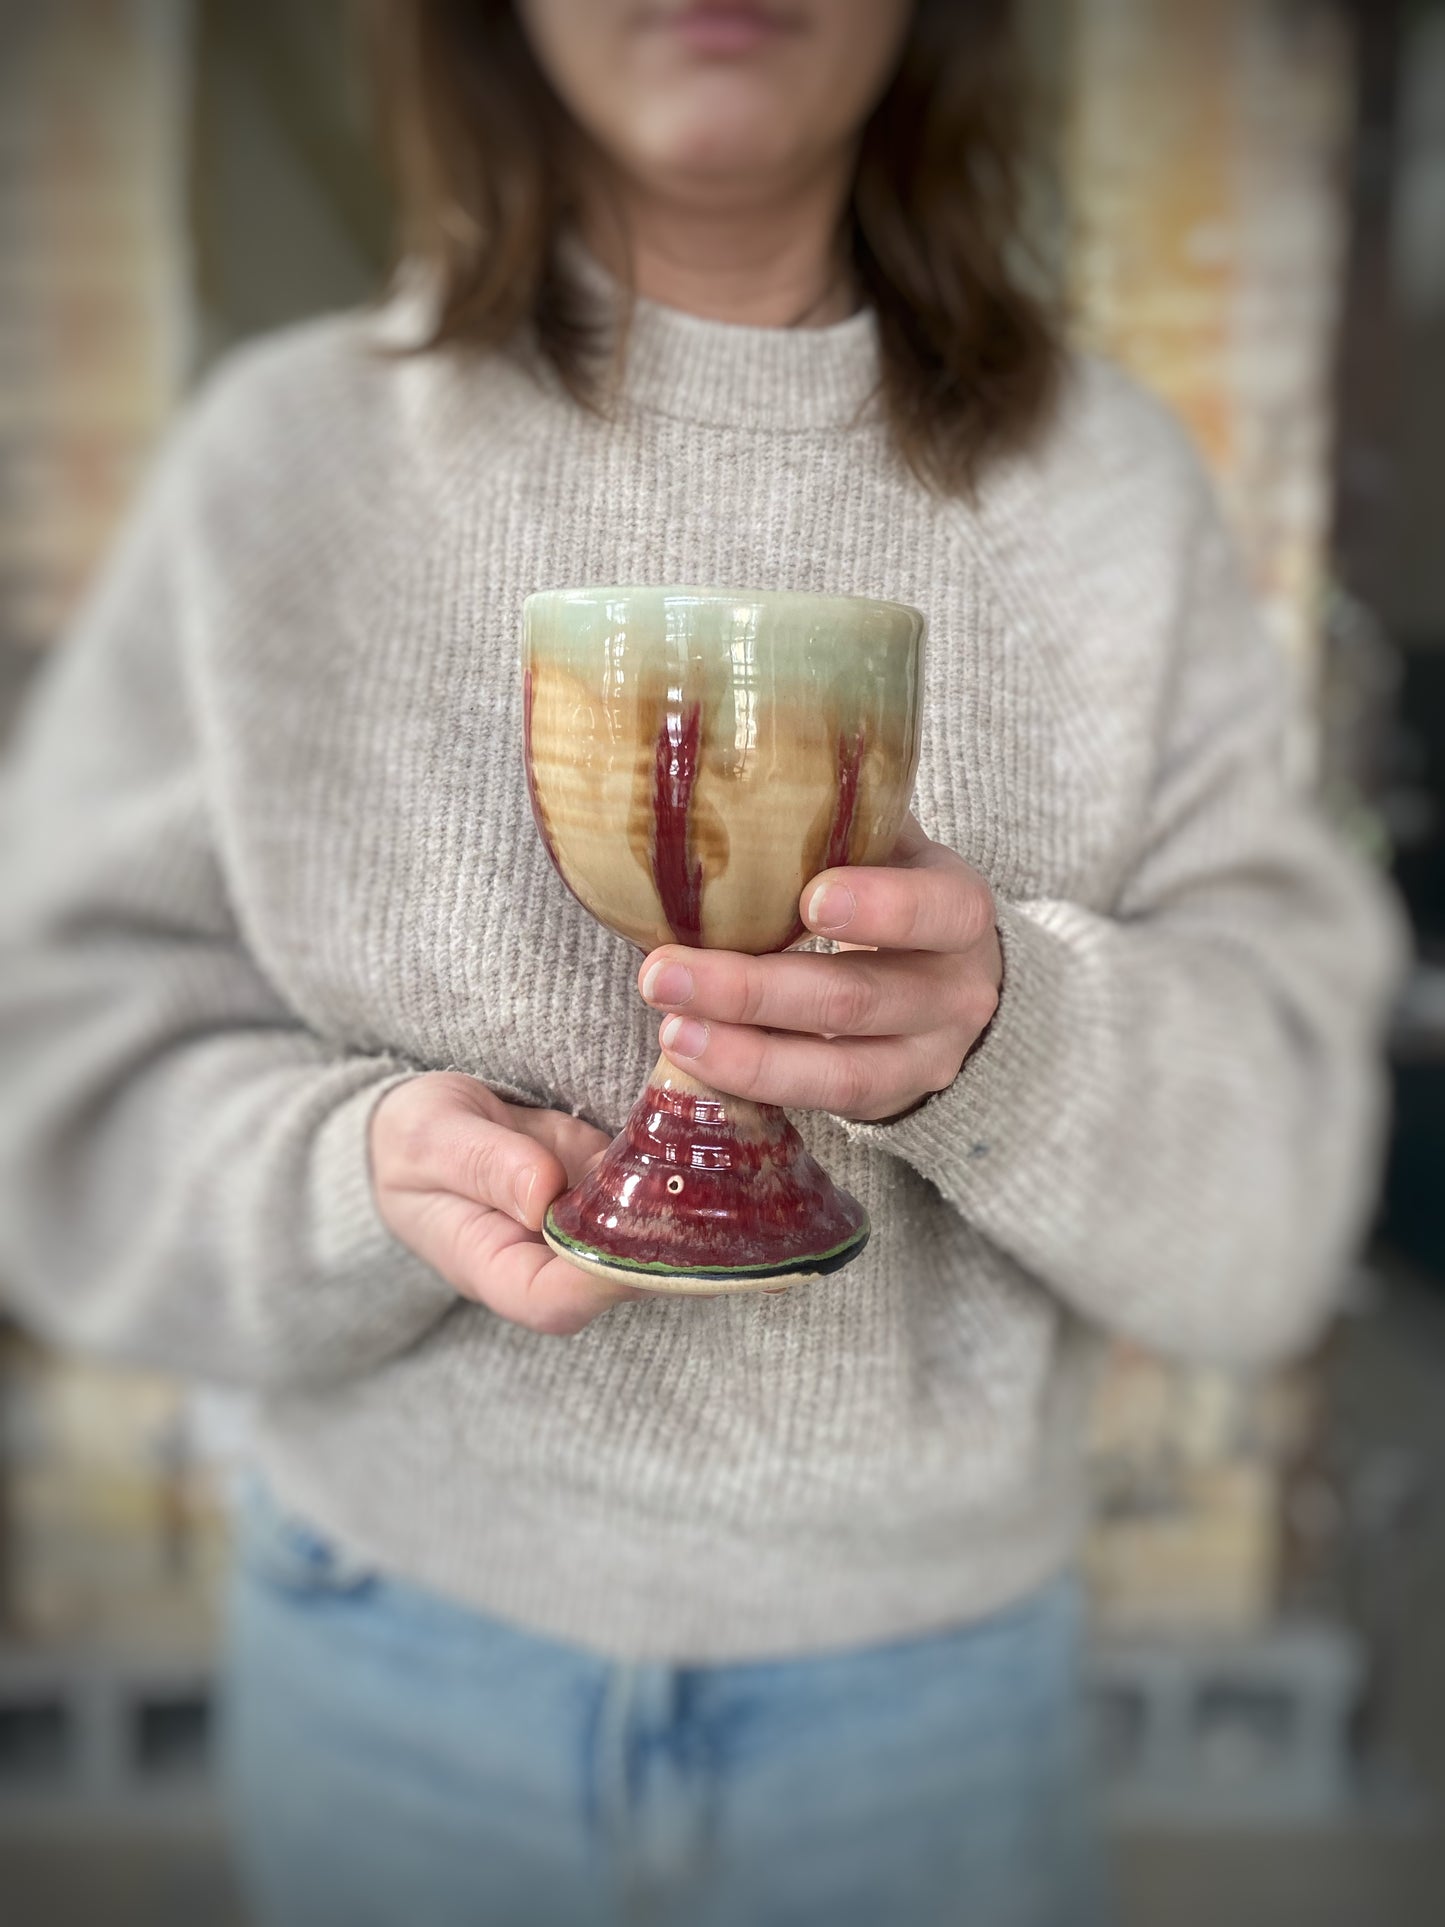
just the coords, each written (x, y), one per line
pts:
(830, 906)
(668, 983)
(522, 1186)
(683, 1036)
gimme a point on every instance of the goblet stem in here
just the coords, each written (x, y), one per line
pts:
(703, 1192)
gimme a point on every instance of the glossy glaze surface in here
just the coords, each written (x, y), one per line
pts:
(707, 1191)
(695, 756)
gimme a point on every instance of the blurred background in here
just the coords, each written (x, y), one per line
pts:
(1247, 199)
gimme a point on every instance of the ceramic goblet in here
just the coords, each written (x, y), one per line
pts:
(694, 756)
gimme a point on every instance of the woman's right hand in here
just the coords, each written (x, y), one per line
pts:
(464, 1180)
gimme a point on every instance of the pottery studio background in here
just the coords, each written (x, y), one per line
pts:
(1249, 199)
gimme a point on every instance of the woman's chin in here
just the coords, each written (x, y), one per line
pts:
(696, 153)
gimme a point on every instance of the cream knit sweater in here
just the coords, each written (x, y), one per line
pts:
(267, 847)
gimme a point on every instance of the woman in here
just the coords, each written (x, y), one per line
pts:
(560, 1604)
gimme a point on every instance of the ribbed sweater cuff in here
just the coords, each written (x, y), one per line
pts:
(386, 1283)
(1014, 1122)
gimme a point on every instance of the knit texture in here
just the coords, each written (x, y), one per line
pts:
(268, 847)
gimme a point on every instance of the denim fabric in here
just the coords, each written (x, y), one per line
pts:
(393, 1758)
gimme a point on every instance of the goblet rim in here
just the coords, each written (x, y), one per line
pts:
(722, 593)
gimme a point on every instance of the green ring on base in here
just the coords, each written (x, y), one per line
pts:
(742, 1277)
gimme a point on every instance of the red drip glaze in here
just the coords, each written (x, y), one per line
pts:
(677, 876)
(850, 761)
(840, 829)
(749, 1194)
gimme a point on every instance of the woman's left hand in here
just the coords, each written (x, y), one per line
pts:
(868, 1033)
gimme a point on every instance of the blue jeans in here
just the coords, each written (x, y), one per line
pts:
(394, 1758)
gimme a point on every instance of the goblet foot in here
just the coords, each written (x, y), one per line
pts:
(700, 1192)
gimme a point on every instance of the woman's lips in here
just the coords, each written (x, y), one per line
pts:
(726, 29)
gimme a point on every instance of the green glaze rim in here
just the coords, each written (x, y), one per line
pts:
(598, 592)
(833, 1259)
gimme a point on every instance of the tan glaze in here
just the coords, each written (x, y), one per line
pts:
(759, 825)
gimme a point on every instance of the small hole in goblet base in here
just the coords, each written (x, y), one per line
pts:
(674, 1185)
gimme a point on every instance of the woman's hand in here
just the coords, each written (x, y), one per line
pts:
(464, 1180)
(867, 1034)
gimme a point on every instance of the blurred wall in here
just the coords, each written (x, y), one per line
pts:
(1205, 160)
(94, 289)
(289, 211)
(1412, 593)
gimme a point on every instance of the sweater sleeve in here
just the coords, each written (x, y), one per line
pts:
(183, 1165)
(1174, 1119)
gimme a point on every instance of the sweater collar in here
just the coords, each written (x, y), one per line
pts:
(721, 374)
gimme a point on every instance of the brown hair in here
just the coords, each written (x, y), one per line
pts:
(970, 347)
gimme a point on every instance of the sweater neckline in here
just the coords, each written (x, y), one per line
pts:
(727, 374)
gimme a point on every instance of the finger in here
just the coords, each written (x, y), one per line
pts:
(863, 993)
(914, 843)
(450, 1147)
(485, 1256)
(867, 1077)
(430, 1128)
(532, 1286)
(932, 901)
(571, 1139)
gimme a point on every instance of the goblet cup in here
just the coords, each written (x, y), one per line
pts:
(694, 756)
